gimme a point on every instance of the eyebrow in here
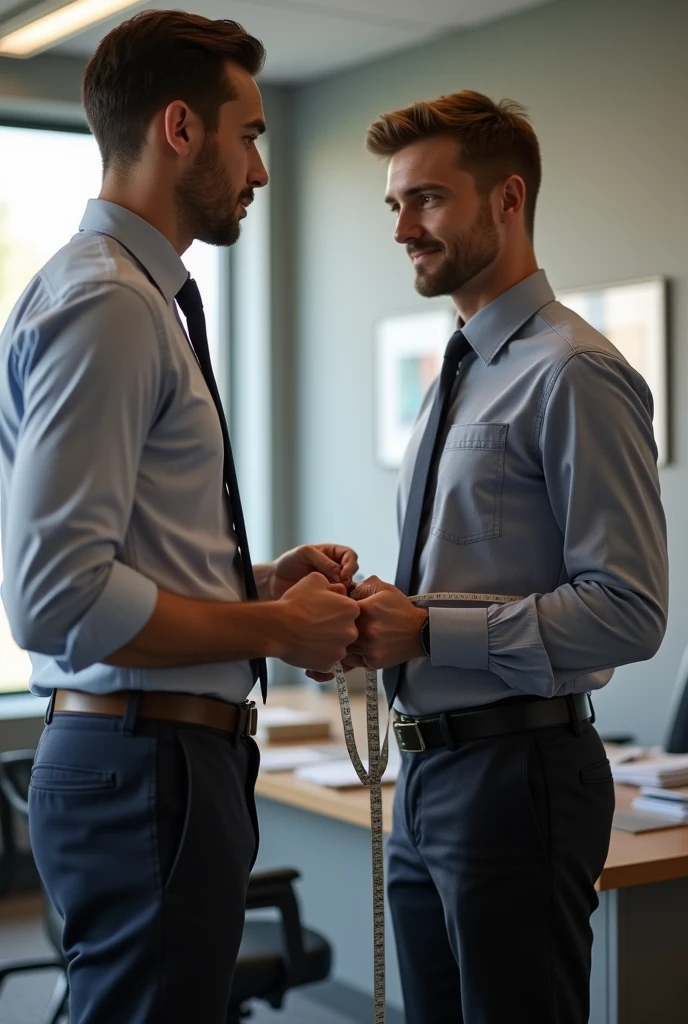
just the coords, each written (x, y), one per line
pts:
(417, 190)
(258, 125)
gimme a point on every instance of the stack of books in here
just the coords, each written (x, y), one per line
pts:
(663, 801)
(638, 767)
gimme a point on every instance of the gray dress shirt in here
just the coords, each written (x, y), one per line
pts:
(110, 463)
(546, 489)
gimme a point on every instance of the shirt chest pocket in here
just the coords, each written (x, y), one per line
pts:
(468, 497)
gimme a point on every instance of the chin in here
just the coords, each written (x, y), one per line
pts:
(427, 287)
(223, 236)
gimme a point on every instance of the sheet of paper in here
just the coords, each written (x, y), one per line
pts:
(287, 758)
(340, 774)
(278, 715)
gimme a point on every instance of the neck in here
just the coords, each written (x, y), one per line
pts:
(146, 196)
(496, 279)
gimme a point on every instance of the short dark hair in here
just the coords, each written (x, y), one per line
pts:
(494, 139)
(151, 60)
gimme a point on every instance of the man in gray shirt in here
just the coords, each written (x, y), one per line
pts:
(127, 568)
(531, 479)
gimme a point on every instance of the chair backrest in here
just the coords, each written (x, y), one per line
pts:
(15, 775)
(15, 772)
(677, 734)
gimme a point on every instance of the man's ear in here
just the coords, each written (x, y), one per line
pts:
(180, 127)
(513, 197)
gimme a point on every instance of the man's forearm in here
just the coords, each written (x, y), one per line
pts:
(185, 631)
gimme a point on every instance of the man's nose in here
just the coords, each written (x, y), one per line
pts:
(407, 230)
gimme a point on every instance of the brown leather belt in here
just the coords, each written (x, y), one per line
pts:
(240, 719)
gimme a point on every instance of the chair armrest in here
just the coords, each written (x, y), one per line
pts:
(262, 882)
(274, 889)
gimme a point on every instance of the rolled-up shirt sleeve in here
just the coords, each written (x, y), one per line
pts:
(599, 462)
(89, 378)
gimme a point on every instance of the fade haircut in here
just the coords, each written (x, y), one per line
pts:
(149, 61)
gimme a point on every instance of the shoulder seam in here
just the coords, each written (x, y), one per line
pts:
(556, 373)
(85, 287)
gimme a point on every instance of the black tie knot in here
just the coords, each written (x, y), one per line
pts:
(189, 297)
(457, 347)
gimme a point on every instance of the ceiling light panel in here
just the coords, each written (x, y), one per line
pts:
(44, 30)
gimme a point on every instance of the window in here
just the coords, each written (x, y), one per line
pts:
(46, 177)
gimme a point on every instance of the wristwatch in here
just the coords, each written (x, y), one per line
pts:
(425, 636)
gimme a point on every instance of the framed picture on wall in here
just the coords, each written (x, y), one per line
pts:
(408, 356)
(632, 315)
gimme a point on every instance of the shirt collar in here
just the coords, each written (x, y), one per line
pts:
(153, 251)
(493, 325)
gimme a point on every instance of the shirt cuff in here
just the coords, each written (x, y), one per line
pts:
(122, 609)
(458, 637)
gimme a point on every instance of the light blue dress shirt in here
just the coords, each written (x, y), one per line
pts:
(546, 489)
(110, 463)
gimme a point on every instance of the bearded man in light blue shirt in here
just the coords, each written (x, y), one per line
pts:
(127, 569)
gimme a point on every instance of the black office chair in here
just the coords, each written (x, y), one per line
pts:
(275, 955)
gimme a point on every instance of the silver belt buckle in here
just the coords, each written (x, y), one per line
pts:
(409, 737)
(247, 719)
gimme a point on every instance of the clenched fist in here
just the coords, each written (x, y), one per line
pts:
(316, 623)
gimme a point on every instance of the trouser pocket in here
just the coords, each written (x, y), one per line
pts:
(173, 797)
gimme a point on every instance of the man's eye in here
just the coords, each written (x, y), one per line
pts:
(428, 197)
(250, 139)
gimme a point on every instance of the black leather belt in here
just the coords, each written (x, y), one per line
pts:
(417, 734)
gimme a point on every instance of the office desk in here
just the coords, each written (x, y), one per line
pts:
(640, 972)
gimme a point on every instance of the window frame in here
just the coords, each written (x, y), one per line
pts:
(40, 124)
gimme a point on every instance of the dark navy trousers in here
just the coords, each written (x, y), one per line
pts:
(144, 834)
(493, 858)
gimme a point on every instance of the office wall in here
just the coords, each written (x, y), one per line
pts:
(43, 87)
(606, 84)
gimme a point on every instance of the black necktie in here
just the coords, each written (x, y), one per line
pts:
(191, 305)
(422, 474)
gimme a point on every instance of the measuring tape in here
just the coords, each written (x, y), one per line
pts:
(372, 780)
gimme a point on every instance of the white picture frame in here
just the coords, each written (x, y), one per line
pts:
(408, 356)
(633, 316)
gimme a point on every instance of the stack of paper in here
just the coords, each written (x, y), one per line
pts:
(662, 801)
(279, 724)
(652, 768)
(291, 757)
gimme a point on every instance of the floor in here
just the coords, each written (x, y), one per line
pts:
(23, 1000)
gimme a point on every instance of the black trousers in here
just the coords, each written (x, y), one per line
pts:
(144, 834)
(493, 859)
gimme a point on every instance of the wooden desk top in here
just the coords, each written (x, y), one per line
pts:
(632, 860)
